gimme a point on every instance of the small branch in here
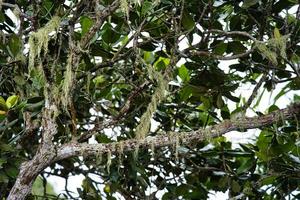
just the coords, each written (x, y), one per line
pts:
(15, 6)
(232, 33)
(218, 57)
(254, 92)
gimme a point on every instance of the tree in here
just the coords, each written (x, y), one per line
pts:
(81, 82)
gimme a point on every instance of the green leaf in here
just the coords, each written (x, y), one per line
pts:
(11, 101)
(249, 3)
(272, 108)
(236, 47)
(14, 45)
(86, 23)
(187, 21)
(102, 138)
(109, 34)
(220, 48)
(148, 57)
(147, 7)
(296, 98)
(3, 177)
(3, 105)
(235, 186)
(161, 63)
(183, 73)
(220, 102)
(246, 165)
(99, 50)
(268, 180)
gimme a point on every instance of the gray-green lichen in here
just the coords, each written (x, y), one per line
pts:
(39, 40)
(144, 126)
(67, 83)
(273, 48)
(108, 164)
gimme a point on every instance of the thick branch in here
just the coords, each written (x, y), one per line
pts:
(72, 149)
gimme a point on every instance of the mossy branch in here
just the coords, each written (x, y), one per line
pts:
(180, 138)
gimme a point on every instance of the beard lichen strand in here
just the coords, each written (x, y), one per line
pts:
(38, 41)
(120, 150)
(67, 82)
(270, 55)
(279, 45)
(99, 157)
(125, 7)
(144, 126)
(152, 148)
(108, 163)
(177, 144)
(136, 150)
(273, 48)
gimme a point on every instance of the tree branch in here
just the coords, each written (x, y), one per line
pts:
(219, 57)
(76, 149)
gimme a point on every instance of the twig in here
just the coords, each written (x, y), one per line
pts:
(254, 92)
(231, 33)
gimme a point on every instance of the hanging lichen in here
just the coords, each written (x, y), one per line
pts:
(273, 48)
(120, 152)
(124, 7)
(136, 152)
(156, 2)
(67, 83)
(99, 158)
(108, 164)
(144, 126)
(152, 148)
(177, 144)
(38, 41)
(269, 54)
(88, 82)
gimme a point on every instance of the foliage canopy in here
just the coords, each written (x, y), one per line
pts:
(81, 81)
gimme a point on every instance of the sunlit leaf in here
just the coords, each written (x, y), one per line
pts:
(11, 101)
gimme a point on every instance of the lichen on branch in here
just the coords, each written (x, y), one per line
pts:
(158, 96)
(67, 82)
(273, 48)
(39, 40)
